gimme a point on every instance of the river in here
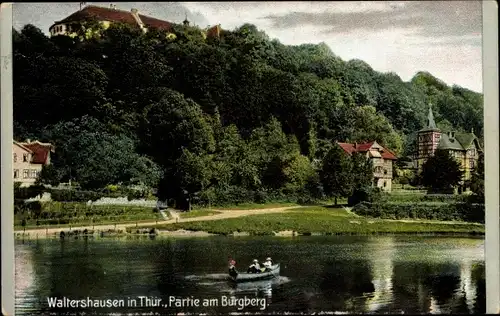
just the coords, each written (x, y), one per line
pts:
(379, 274)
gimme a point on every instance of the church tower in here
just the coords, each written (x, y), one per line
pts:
(427, 140)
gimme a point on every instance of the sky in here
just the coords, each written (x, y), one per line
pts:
(441, 37)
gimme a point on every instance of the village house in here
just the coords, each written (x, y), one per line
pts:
(464, 147)
(382, 160)
(106, 16)
(28, 160)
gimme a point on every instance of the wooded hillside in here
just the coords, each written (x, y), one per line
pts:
(235, 114)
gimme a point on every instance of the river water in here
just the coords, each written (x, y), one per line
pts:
(377, 274)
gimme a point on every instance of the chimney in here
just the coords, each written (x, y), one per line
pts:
(28, 141)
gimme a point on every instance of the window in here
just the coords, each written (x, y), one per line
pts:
(26, 173)
(25, 157)
(385, 184)
(15, 157)
(471, 163)
(33, 173)
(16, 173)
(385, 171)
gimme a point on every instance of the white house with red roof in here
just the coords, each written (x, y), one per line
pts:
(28, 160)
(106, 16)
(382, 161)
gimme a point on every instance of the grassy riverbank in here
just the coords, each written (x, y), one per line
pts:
(325, 220)
(66, 214)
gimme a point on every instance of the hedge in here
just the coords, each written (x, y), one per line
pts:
(461, 211)
(55, 212)
(445, 198)
(71, 195)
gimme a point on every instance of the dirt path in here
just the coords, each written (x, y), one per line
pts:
(224, 214)
(175, 219)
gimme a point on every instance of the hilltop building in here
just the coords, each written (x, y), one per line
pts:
(464, 147)
(382, 160)
(106, 16)
(28, 160)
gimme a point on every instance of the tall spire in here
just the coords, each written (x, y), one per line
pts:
(430, 118)
(186, 21)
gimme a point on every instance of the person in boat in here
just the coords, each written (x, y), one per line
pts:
(232, 267)
(254, 267)
(268, 264)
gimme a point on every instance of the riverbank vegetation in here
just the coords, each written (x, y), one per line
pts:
(324, 220)
(425, 210)
(221, 121)
(60, 214)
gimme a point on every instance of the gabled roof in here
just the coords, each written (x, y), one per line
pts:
(121, 16)
(40, 151)
(156, 23)
(465, 139)
(100, 13)
(460, 141)
(348, 148)
(115, 15)
(364, 147)
(445, 142)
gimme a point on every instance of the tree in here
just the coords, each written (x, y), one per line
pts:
(477, 179)
(49, 175)
(441, 172)
(89, 154)
(362, 171)
(260, 115)
(369, 125)
(192, 176)
(336, 175)
(173, 124)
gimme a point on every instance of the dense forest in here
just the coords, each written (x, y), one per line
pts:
(234, 118)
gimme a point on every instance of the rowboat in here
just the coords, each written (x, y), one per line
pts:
(248, 277)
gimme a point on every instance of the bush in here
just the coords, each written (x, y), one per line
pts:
(365, 194)
(261, 197)
(446, 212)
(29, 192)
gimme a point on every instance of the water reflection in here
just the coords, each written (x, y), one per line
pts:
(380, 260)
(344, 274)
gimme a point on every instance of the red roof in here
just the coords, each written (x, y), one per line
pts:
(364, 146)
(102, 14)
(350, 148)
(387, 154)
(214, 31)
(156, 23)
(40, 151)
